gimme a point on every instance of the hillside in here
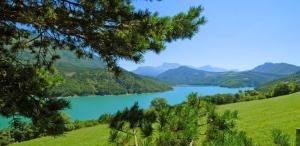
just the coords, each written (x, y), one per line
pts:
(187, 75)
(290, 78)
(277, 68)
(239, 79)
(103, 82)
(184, 75)
(68, 59)
(92, 136)
(89, 77)
(257, 118)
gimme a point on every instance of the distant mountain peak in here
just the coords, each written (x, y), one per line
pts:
(166, 66)
(154, 71)
(170, 64)
(277, 68)
(212, 69)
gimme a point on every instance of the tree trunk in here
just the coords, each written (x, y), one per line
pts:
(135, 138)
(192, 142)
(298, 137)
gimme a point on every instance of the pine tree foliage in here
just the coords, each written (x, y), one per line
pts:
(113, 30)
(184, 124)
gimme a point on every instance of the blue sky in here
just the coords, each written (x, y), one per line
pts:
(239, 34)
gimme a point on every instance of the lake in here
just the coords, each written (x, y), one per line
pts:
(91, 107)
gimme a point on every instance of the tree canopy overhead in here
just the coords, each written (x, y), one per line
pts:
(111, 29)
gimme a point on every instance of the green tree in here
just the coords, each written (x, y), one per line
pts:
(284, 89)
(125, 124)
(111, 29)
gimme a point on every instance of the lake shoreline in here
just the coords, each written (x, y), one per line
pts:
(172, 88)
(127, 94)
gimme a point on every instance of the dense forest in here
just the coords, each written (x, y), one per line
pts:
(89, 77)
(103, 82)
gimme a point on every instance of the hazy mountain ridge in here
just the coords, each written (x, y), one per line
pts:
(213, 69)
(209, 75)
(277, 68)
(155, 71)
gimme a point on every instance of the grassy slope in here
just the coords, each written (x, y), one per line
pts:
(92, 136)
(257, 118)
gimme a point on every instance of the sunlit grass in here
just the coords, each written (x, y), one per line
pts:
(257, 118)
(92, 136)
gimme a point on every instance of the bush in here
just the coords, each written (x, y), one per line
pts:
(247, 95)
(231, 139)
(25, 132)
(284, 89)
(5, 137)
(105, 118)
(83, 124)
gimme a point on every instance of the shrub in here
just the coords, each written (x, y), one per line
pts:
(83, 124)
(5, 137)
(105, 118)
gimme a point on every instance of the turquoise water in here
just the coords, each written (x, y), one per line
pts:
(91, 107)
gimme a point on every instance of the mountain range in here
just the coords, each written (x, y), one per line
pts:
(221, 77)
(213, 69)
(89, 77)
(153, 71)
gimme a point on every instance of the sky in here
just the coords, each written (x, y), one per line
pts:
(239, 34)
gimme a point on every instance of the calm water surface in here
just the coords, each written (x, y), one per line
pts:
(91, 107)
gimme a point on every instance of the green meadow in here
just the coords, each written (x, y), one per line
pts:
(257, 118)
(91, 136)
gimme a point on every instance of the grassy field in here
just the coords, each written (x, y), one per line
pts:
(92, 136)
(257, 118)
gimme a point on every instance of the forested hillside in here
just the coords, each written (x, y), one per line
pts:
(89, 77)
(295, 78)
(239, 79)
(103, 82)
(186, 75)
